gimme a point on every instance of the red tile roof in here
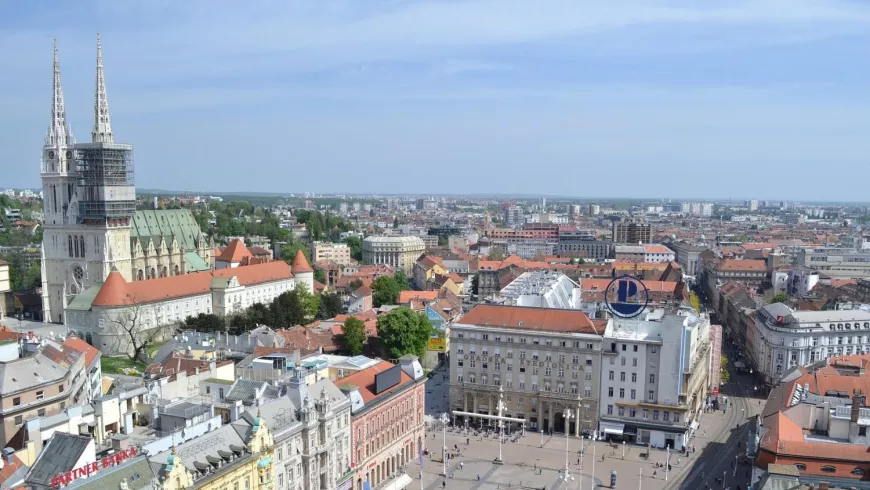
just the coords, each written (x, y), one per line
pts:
(545, 319)
(365, 381)
(116, 291)
(235, 252)
(653, 286)
(742, 265)
(407, 296)
(300, 263)
(91, 353)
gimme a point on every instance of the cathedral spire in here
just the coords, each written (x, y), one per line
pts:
(102, 132)
(59, 133)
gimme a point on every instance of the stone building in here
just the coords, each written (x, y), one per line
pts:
(91, 226)
(400, 252)
(546, 360)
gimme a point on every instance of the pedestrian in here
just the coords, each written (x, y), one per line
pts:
(467, 441)
(478, 477)
(461, 465)
(443, 484)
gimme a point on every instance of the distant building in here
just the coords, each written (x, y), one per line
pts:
(334, 252)
(687, 255)
(631, 232)
(399, 252)
(835, 262)
(644, 253)
(513, 216)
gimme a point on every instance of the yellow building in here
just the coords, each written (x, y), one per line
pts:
(223, 459)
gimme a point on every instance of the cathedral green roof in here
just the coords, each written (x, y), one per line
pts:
(83, 300)
(194, 262)
(157, 223)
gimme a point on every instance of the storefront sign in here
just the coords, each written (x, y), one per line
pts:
(437, 344)
(92, 468)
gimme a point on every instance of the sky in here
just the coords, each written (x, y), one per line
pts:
(765, 99)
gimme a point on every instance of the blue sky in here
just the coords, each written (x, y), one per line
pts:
(739, 99)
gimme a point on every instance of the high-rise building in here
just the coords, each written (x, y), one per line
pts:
(513, 216)
(632, 232)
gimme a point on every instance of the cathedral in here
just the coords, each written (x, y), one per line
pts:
(92, 227)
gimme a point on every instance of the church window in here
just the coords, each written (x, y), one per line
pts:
(152, 274)
(69, 242)
(82, 246)
(176, 269)
(163, 273)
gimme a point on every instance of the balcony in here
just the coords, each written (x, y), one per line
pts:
(574, 397)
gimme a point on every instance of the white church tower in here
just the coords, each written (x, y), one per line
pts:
(89, 201)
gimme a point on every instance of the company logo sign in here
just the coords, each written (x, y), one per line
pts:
(626, 297)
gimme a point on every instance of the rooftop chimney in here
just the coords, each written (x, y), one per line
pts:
(857, 403)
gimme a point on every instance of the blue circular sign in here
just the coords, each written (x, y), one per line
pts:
(626, 297)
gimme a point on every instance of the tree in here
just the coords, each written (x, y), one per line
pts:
(402, 281)
(23, 276)
(206, 322)
(779, 298)
(319, 276)
(475, 284)
(385, 291)
(355, 244)
(724, 375)
(495, 253)
(396, 222)
(696, 301)
(355, 284)
(330, 306)
(296, 307)
(404, 331)
(354, 331)
(293, 245)
(132, 323)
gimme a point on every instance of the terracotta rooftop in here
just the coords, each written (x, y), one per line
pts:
(653, 286)
(234, 252)
(742, 265)
(91, 353)
(543, 319)
(116, 291)
(407, 296)
(300, 263)
(365, 381)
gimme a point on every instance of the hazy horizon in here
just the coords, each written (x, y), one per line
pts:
(763, 99)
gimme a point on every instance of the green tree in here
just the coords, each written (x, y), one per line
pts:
(206, 322)
(354, 332)
(355, 244)
(355, 284)
(724, 375)
(396, 222)
(296, 307)
(385, 291)
(696, 301)
(404, 331)
(779, 298)
(495, 253)
(23, 276)
(289, 249)
(402, 281)
(330, 306)
(475, 284)
(319, 276)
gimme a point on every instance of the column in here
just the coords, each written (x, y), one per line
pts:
(465, 402)
(540, 413)
(489, 404)
(579, 422)
(474, 396)
(550, 425)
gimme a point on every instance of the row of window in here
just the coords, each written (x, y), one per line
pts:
(612, 377)
(633, 393)
(510, 355)
(632, 412)
(576, 344)
(831, 469)
(509, 384)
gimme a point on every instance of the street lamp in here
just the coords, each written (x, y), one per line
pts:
(568, 414)
(667, 461)
(500, 407)
(444, 419)
(542, 437)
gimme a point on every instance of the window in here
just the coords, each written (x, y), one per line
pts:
(588, 362)
(645, 413)
(610, 375)
(609, 409)
(40, 412)
(633, 394)
(634, 377)
(62, 405)
(622, 376)
(621, 411)
(634, 361)
(610, 391)
(623, 361)
(655, 414)
(801, 467)
(653, 349)
(635, 347)
(622, 392)
(60, 389)
(829, 469)
(460, 363)
(652, 395)
(862, 431)
(19, 420)
(16, 401)
(652, 378)
(576, 359)
(858, 472)
(624, 347)
(40, 395)
(666, 416)
(548, 371)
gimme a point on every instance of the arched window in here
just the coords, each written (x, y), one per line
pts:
(829, 469)
(801, 467)
(76, 245)
(69, 243)
(139, 275)
(163, 272)
(153, 274)
(176, 270)
(82, 245)
(858, 472)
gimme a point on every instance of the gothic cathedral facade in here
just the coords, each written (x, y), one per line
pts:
(91, 223)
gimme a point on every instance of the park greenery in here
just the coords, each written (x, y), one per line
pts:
(724, 375)
(404, 331)
(386, 289)
(778, 298)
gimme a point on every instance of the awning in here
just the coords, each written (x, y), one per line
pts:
(398, 483)
(612, 428)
